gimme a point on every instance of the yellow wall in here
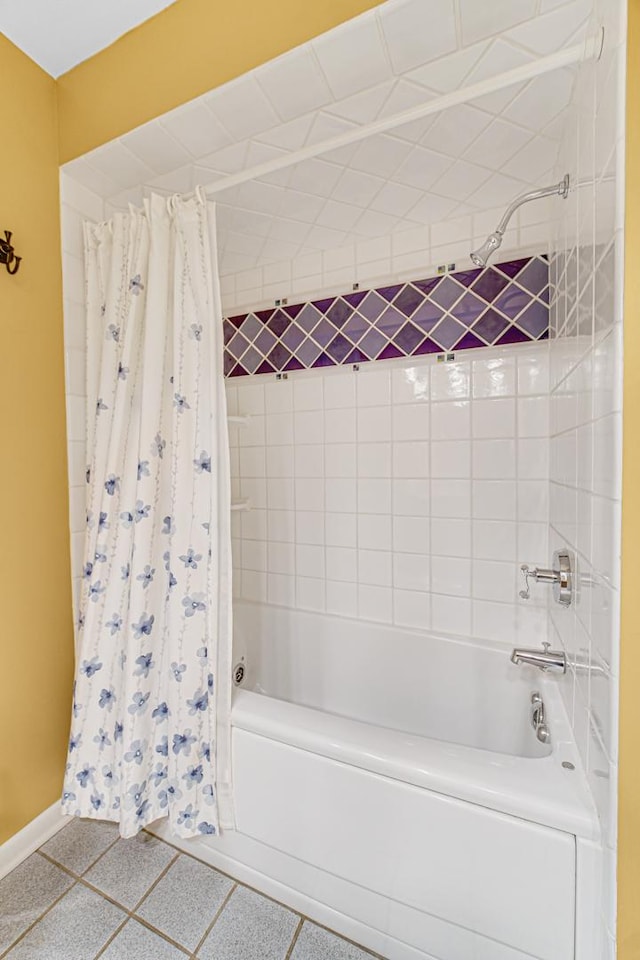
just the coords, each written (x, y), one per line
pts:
(35, 604)
(186, 50)
(629, 776)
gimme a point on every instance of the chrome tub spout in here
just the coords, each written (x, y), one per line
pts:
(544, 659)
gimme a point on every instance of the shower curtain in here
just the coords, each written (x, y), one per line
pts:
(150, 725)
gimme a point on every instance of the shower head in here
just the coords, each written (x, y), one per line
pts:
(481, 256)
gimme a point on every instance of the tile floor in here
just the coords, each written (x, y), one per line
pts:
(87, 894)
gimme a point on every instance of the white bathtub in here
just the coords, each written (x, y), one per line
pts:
(390, 785)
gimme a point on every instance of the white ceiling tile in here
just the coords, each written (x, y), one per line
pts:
(338, 216)
(421, 168)
(353, 57)
(495, 103)
(481, 19)
(396, 199)
(415, 130)
(404, 96)
(262, 197)
(448, 73)
(242, 243)
(496, 190)
(196, 128)
(289, 136)
(230, 159)
(206, 178)
(341, 155)
(536, 160)
(356, 187)
(178, 181)
(380, 155)
(119, 164)
(242, 107)
(432, 208)
(460, 180)
(541, 100)
(417, 31)
(156, 148)
(497, 144)
(134, 195)
(325, 127)
(323, 238)
(294, 230)
(94, 180)
(245, 221)
(276, 249)
(315, 176)
(300, 206)
(499, 57)
(372, 223)
(363, 107)
(454, 129)
(259, 153)
(235, 262)
(294, 83)
(549, 33)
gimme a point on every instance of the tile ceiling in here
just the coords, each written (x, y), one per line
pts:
(469, 158)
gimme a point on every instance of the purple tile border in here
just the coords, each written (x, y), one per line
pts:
(505, 303)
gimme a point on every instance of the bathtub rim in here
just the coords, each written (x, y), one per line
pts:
(538, 790)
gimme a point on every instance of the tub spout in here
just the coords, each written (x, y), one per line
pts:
(544, 659)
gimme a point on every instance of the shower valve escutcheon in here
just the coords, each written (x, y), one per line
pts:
(560, 576)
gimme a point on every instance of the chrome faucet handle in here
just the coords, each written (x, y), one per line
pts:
(527, 572)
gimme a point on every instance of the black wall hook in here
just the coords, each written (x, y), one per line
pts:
(7, 254)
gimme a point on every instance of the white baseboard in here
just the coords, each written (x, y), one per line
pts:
(26, 841)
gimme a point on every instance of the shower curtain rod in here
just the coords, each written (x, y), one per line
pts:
(589, 49)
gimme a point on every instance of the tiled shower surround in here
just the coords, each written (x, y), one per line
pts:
(462, 310)
(405, 491)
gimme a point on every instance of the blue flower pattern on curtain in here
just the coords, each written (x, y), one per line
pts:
(153, 672)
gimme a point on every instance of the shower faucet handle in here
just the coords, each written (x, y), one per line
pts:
(560, 575)
(527, 572)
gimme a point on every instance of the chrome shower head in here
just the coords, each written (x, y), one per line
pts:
(481, 256)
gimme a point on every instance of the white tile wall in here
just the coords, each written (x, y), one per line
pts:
(405, 492)
(585, 397)
(78, 204)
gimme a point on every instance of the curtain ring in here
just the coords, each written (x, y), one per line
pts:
(200, 193)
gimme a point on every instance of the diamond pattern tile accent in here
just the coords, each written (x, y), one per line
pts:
(505, 303)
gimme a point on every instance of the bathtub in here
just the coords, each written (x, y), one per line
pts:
(389, 784)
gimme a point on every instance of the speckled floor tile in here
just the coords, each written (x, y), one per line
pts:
(80, 843)
(25, 894)
(250, 928)
(314, 943)
(128, 869)
(75, 929)
(135, 942)
(185, 901)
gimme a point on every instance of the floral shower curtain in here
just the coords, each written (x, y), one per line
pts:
(150, 726)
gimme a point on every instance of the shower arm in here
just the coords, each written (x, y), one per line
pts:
(560, 189)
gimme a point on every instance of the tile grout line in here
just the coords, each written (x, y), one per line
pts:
(205, 935)
(296, 934)
(36, 921)
(59, 863)
(130, 913)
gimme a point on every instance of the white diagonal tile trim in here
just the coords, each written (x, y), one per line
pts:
(527, 71)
